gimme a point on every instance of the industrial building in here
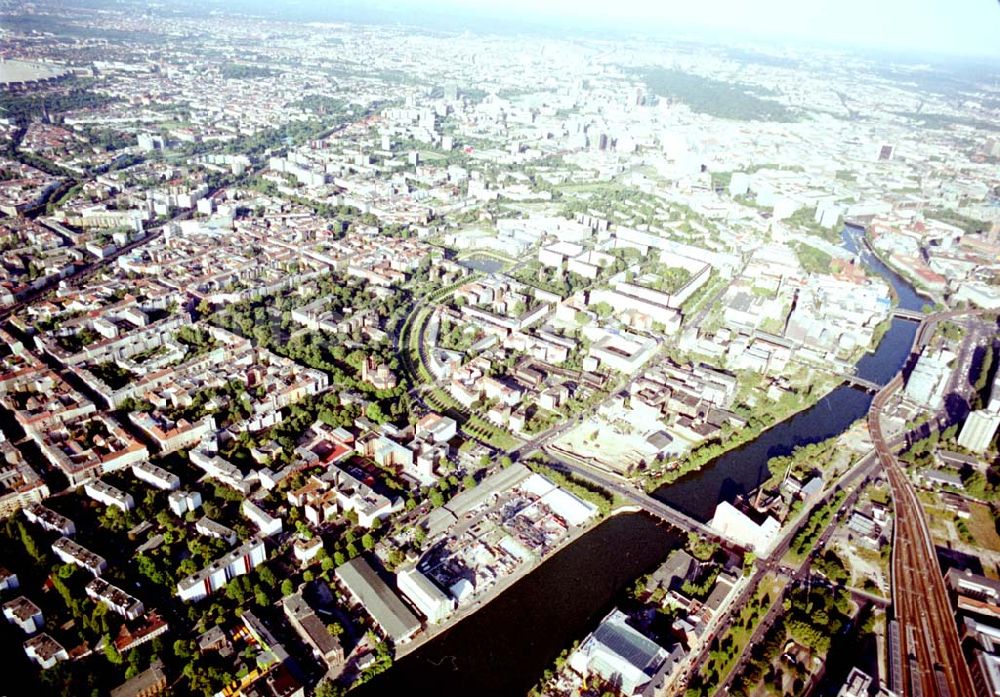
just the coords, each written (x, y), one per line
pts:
(430, 600)
(378, 599)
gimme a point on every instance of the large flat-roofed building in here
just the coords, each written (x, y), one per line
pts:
(731, 522)
(986, 673)
(312, 630)
(217, 574)
(378, 599)
(626, 658)
(858, 684)
(115, 598)
(430, 600)
(622, 352)
(978, 430)
(73, 553)
(965, 582)
(975, 593)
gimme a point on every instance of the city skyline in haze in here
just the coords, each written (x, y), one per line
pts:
(960, 28)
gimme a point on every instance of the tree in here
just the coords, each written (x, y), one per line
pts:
(328, 689)
(367, 541)
(261, 597)
(287, 587)
(233, 592)
(375, 413)
(30, 546)
(267, 577)
(701, 549)
(436, 498)
(110, 651)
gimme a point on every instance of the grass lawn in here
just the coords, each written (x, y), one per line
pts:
(982, 527)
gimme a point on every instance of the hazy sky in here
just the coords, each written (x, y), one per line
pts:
(936, 26)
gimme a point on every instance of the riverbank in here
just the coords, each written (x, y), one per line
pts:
(505, 644)
(653, 484)
(912, 283)
(432, 631)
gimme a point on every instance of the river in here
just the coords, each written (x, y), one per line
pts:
(743, 469)
(504, 647)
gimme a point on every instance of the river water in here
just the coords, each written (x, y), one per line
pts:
(504, 647)
(743, 469)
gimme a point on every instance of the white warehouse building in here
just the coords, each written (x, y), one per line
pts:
(434, 604)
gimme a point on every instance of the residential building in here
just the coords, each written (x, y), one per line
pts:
(210, 528)
(237, 562)
(181, 502)
(148, 683)
(8, 579)
(20, 485)
(24, 613)
(978, 430)
(312, 631)
(50, 520)
(72, 553)
(157, 476)
(114, 598)
(266, 523)
(307, 550)
(45, 651)
(108, 495)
